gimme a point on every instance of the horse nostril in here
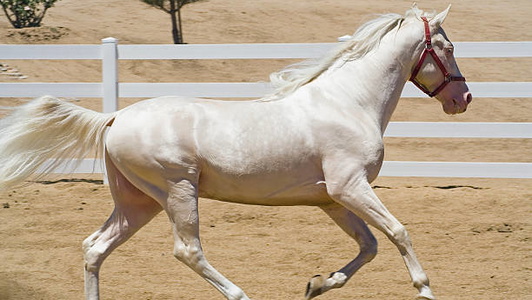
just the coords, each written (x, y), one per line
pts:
(469, 98)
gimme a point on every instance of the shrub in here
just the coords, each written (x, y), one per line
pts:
(26, 13)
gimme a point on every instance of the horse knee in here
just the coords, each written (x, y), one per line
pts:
(400, 237)
(188, 254)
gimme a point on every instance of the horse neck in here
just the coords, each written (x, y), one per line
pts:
(372, 83)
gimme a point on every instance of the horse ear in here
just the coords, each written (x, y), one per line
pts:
(439, 18)
(416, 10)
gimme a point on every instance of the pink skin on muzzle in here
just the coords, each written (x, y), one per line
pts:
(455, 97)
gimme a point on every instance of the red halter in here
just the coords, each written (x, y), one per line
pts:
(429, 50)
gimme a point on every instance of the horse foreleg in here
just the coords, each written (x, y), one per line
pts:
(182, 209)
(358, 230)
(358, 197)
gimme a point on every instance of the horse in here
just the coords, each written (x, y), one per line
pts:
(316, 141)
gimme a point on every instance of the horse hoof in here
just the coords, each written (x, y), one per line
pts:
(314, 287)
(426, 295)
(420, 297)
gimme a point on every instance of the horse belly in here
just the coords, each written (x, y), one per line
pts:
(279, 189)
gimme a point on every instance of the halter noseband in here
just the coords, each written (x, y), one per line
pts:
(430, 50)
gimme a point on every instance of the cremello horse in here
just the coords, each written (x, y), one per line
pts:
(316, 141)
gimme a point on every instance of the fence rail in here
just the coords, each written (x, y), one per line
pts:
(224, 89)
(236, 51)
(389, 168)
(110, 90)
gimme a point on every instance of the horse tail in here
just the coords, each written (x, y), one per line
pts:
(48, 129)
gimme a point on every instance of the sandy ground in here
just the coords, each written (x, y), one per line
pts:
(471, 235)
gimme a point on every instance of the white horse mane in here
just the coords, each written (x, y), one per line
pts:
(364, 40)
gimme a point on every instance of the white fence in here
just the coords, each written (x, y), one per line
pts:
(110, 90)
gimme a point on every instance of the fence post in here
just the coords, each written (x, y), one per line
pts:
(109, 82)
(110, 74)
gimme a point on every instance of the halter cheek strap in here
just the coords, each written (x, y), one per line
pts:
(430, 50)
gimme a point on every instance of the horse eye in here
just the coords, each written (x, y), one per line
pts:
(449, 50)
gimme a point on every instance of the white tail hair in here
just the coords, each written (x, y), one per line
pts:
(43, 129)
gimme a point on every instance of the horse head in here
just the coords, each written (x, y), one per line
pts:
(436, 72)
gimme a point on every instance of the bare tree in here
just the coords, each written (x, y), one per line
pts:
(173, 7)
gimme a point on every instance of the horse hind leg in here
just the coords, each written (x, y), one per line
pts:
(182, 209)
(358, 230)
(133, 209)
